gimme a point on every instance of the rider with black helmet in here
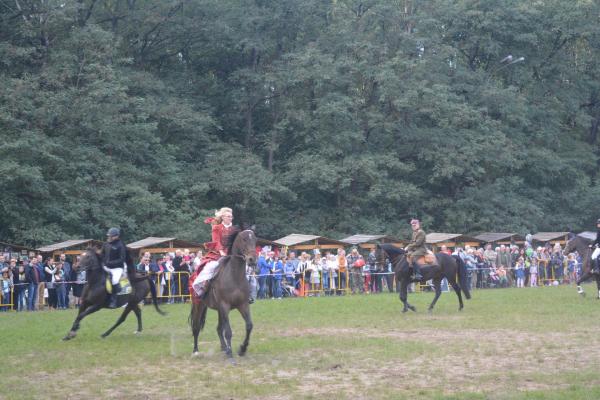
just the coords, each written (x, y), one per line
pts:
(596, 253)
(114, 258)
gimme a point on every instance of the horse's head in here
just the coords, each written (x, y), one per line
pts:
(577, 243)
(243, 244)
(395, 254)
(90, 260)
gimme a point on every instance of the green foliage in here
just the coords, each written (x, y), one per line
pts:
(332, 117)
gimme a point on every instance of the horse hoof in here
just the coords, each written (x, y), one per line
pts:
(137, 332)
(231, 361)
(412, 308)
(242, 352)
(66, 338)
(430, 311)
(195, 354)
(582, 294)
(405, 310)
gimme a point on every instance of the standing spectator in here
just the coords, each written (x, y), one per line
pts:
(533, 272)
(503, 280)
(176, 277)
(42, 282)
(342, 271)
(67, 276)
(289, 268)
(263, 272)
(303, 266)
(185, 269)
(33, 278)
(544, 266)
(251, 276)
(504, 259)
(59, 286)
(520, 272)
(316, 270)
(49, 270)
(5, 287)
(572, 267)
(3, 264)
(375, 272)
(471, 264)
(270, 283)
(332, 267)
(480, 268)
(20, 283)
(355, 268)
(79, 281)
(490, 256)
(557, 261)
(277, 271)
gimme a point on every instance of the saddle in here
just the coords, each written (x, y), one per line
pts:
(426, 260)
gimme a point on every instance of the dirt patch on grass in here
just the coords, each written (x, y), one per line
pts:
(473, 360)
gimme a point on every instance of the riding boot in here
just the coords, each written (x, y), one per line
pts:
(417, 270)
(113, 296)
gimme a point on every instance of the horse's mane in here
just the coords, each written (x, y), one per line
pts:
(392, 249)
(231, 239)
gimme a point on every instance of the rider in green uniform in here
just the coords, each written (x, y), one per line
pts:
(416, 248)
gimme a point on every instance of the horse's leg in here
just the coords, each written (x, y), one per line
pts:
(119, 321)
(220, 333)
(138, 315)
(83, 312)
(437, 284)
(195, 319)
(226, 329)
(404, 295)
(456, 288)
(245, 311)
(585, 276)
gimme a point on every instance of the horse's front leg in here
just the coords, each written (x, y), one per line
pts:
(245, 311)
(84, 311)
(404, 296)
(220, 333)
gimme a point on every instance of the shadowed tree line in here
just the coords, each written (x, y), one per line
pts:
(313, 116)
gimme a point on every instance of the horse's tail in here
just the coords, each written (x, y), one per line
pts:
(462, 276)
(197, 324)
(154, 297)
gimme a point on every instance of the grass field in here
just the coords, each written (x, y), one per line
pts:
(507, 344)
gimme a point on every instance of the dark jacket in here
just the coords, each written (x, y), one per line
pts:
(114, 254)
(597, 241)
(30, 274)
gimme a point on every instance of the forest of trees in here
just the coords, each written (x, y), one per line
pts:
(329, 117)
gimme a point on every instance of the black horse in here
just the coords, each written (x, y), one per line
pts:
(448, 267)
(95, 297)
(582, 246)
(228, 290)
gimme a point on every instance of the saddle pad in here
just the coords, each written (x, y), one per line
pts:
(125, 286)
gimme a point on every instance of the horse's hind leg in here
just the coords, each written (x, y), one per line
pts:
(438, 291)
(245, 311)
(83, 312)
(119, 321)
(138, 315)
(456, 288)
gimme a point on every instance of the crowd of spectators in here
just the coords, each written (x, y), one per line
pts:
(32, 283)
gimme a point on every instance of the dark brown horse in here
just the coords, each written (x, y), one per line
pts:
(228, 290)
(448, 267)
(95, 297)
(582, 246)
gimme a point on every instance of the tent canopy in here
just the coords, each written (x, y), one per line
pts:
(491, 237)
(307, 242)
(76, 246)
(163, 244)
